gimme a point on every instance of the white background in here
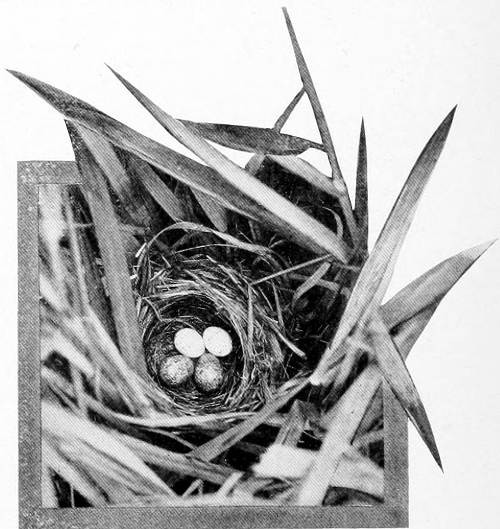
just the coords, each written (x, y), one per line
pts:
(402, 65)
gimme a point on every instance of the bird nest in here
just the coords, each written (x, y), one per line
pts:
(197, 292)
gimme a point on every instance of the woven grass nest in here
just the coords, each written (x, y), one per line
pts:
(197, 292)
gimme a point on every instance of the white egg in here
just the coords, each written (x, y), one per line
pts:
(189, 343)
(217, 341)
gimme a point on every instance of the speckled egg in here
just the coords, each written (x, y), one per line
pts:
(176, 370)
(217, 341)
(208, 374)
(189, 343)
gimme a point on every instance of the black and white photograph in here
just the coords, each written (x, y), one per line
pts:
(251, 268)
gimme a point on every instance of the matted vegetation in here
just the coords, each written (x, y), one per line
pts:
(277, 254)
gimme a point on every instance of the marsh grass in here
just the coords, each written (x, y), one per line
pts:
(301, 419)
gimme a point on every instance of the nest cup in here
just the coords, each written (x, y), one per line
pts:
(198, 292)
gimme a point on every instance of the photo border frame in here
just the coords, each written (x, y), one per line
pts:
(393, 512)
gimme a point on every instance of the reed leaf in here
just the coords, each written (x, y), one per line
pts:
(211, 449)
(283, 118)
(287, 217)
(283, 215)
(112, 252)
(73, 431)
(375, 275)
(406, 315)
(309, 173)
(361, 199)
(396, 373)
(324, 131)
(429, 288)
(253, 165)
(216, 213)
(251, 139)
(154, 185)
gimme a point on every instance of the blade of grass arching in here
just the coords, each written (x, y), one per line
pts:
(115, 173)
(251, 139)
(213, 210)
(286, 215)
(309, 173)
(375, 275)
(431, 286)
(112, 252)
(225, 440)
(188, 171)
(399, 379)
(324, 131)
(361, 199)
(160, 192)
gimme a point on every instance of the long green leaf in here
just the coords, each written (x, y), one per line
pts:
(304, 229)
(361, 200)
(251, 139)
(286, 216)
(375, 275)
(112, 252)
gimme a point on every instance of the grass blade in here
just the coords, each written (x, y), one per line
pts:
(406, 316)
(154, 185)
(213, 210)
(211, 449)
(361, 200)
(375, 275)
(280, 122)
(115, 173)
(76, 434)
(309, 173)
(431, 286)
(253, 165)
(324, 131)
(311, 281)
(397, 375)
(112, 252)
(286, 216)
(251, 139)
